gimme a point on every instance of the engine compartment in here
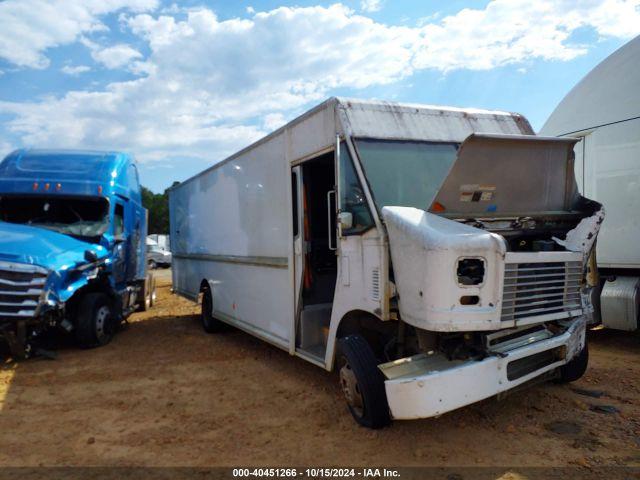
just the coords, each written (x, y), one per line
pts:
(528, 234)
(540, 233)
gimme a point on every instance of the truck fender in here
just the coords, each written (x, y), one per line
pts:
(351, 322)
(74, 287)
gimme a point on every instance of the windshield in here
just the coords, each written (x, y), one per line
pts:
(79, 217)
(406, 174)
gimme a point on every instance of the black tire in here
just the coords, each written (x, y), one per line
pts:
(367, 400)
(95, 321)
(576, 367)
(209, 323)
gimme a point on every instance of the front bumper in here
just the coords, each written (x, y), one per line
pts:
(438, 386)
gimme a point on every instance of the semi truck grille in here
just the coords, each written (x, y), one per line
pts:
(20, 288)
(550, 289)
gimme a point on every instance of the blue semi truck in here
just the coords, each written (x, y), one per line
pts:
(72, 247)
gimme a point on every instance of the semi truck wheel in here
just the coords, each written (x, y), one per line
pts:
(362, 382)
(95, 322)
(576, 367)
(209, 323)
(149, 295)
(153, 297)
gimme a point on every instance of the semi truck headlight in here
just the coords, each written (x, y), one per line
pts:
(470, 271)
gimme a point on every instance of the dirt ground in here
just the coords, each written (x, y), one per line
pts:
(164, 393)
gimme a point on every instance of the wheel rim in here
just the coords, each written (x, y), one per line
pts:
(350, 388)
(154, 296)
(103, 328)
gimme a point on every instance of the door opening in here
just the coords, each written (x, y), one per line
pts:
(319, 261)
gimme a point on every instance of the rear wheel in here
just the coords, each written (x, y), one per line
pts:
(209, 323)
(576, 367)
(95, 322)
(362, 382)
(148, 294)
(153, 297)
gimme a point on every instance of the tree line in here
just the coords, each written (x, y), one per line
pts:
(158, 206)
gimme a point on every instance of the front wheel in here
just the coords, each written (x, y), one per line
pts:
(363, 383)
(95, 321)
(575, 368)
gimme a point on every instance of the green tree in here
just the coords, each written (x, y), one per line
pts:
(158, 206)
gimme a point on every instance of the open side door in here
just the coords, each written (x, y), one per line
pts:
(298, 237)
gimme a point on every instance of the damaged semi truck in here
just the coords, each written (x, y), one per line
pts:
(72, 247)
(431, 264)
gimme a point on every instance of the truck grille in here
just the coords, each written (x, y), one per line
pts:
(20, 288)
(550, 289)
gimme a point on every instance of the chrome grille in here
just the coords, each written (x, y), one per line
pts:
(20, 288)
(549, 289)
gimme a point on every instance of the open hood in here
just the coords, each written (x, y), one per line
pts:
(42, 247)
(501, 175)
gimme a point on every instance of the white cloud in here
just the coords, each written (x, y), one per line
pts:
(75, 70)
(30, 27)
(143, 116)
(511, 31)
(211, 86)
(172, 9)
(371, 5)
(116, 56)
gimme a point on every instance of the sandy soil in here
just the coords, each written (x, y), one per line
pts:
(165, 393)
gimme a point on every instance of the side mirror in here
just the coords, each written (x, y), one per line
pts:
(345, 219)
(90, 256)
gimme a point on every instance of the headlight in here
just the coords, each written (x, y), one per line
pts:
(470, 271)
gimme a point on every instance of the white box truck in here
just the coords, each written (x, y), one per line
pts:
(603, 112)
(431, 264)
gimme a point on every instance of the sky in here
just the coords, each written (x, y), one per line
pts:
(182, 85)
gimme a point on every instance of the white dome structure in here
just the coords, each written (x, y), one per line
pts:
(608, 94)
(603, 109)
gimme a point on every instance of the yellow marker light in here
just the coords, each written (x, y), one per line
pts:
(35, 185)
(46, 186)
(99, 189)
(58, 187)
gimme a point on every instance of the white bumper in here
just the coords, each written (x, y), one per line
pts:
(437, 391)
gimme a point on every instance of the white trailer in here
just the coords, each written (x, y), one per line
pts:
(162, 241)
(433, 265)
(603, 112)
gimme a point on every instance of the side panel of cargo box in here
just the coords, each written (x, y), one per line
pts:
(231, 226)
